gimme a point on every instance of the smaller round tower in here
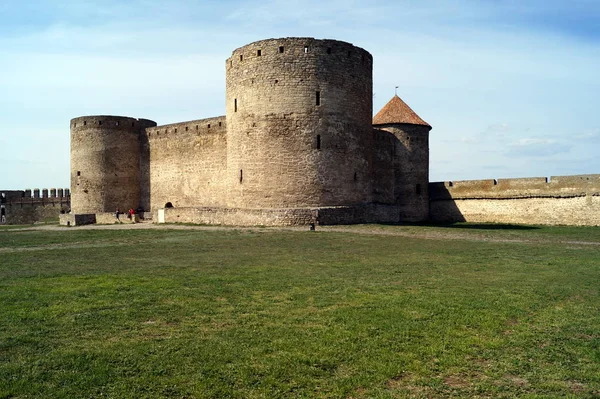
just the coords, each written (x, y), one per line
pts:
(411, 158)
(105, 163)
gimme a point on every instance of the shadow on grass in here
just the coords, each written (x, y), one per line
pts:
(471, 226)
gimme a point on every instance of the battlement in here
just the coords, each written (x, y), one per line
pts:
(555, 186)
(196, 127)
(299, 48)
(109, 122)
(18, 196)
(30, 206)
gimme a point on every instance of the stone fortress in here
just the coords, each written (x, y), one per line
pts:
(297, 145)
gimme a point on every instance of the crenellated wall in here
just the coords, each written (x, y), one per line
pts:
(187, 163)
(32, 206)
(567, 200)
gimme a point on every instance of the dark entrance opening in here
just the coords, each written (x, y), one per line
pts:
(168, 205)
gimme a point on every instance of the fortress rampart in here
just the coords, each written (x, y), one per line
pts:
(187, 163)
(567, 200)
(30, 206)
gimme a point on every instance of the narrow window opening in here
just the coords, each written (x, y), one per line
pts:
(175, 130)
(355, 176)
(349, 53)
(450, 184)
(258, 53)
(235, 105)
(328, 50)
(84, 123)
(132, 124)
(318, 141)
(318, 98)
(231, 63)
(241, 57)
(495, 182)
(276, 81)
(209, 125)
(280, 49)
(186, 128)
(99, 122)
(418, 189)
(241, 176)
(74, 124)
(78, 173)
(305, 49)
(196, 127)
(219, 123)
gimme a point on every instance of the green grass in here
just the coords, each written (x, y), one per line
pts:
(477, 311)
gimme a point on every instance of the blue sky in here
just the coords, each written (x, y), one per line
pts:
(511, 88)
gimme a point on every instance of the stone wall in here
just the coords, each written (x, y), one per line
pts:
(105, 163)
(33, 206)
(299, 124)
(566, 200)
(369, 213)
(71, 219)
(384, 161)
(187, 163)
(410, 167)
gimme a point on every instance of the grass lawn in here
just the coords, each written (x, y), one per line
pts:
(368, 312)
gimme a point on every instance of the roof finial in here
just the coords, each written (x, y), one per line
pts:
(396, 90)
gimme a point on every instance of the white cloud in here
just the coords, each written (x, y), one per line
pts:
(536, 147)
(590, 136)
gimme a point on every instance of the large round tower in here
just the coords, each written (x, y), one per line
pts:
(410, 158)
(299, 124)
(105, 163)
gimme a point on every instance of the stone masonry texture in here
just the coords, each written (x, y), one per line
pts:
(566, 200)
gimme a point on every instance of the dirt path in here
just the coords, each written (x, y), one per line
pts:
(400, 231)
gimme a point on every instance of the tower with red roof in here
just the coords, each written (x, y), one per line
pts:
(409, 137)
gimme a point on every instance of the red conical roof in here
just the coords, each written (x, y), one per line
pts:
(396, 111)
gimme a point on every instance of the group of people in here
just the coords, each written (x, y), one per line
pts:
(130, 214)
